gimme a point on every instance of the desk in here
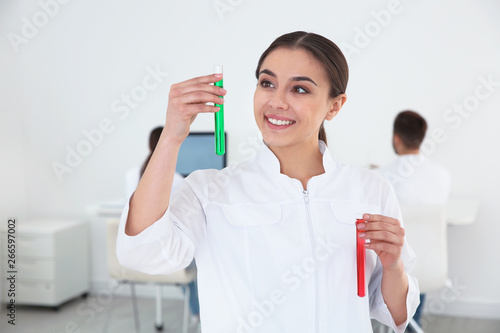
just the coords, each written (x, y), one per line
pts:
(461, 210)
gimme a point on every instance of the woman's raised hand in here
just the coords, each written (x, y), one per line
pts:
(187, 99)
(152, 196)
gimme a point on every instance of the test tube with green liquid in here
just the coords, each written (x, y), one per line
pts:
(220, 140)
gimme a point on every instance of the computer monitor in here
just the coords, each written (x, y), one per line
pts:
(198, 152)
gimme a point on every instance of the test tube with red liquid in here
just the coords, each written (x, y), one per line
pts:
(360, 260)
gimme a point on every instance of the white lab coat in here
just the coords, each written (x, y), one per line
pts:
(417, 181)
(272, 257)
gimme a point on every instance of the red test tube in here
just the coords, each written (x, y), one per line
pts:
(360, 260)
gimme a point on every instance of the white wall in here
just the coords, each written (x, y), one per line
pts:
(67, 74)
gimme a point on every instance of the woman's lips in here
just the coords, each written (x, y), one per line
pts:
(277, 122)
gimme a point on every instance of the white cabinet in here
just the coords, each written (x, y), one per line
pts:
(52, 261)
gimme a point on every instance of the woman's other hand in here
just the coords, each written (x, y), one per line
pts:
(386, 238)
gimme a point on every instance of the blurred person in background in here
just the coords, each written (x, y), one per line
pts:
(415, 179)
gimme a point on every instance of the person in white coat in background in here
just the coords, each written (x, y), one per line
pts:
(275, 238)
(415, 179)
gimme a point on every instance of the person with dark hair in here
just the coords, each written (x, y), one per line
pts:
(415, 179)
(154, 136)
(274, 237)
(409, 132)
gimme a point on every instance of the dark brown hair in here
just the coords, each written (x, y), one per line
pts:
(324, 51)
(411, 128)
(154, 136)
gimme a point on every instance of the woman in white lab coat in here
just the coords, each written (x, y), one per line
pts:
(274, 238)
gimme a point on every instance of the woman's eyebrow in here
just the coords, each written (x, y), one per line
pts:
(268, 72)
(303, 78)
(295, 78)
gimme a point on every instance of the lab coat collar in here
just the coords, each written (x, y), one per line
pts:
(270, 162)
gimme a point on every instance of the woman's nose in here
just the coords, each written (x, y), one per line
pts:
(278, 100)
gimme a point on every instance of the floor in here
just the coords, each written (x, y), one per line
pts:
(89, 316)
(443, 324)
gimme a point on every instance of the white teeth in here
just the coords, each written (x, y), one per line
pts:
(279, 122)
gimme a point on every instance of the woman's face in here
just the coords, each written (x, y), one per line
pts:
(292, 98)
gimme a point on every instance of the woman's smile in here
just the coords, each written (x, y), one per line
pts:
(278, 122)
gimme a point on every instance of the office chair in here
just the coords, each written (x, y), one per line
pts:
(124, 275)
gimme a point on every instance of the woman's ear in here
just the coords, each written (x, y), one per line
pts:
(336, 105)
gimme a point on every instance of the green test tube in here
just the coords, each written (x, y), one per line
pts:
(220, 140)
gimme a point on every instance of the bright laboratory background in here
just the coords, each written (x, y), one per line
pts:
(82, 85)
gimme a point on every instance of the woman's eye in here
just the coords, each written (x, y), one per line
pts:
(299, 90)
(266, 84)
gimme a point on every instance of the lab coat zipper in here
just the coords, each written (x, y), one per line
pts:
(316, 274)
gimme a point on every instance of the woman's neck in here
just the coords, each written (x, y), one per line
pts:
(301, 162)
